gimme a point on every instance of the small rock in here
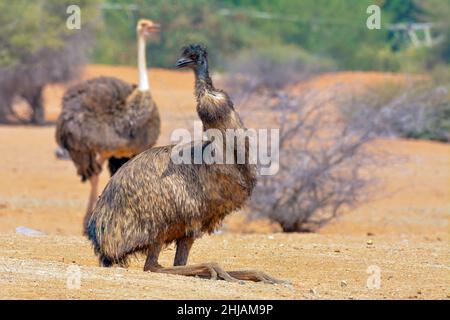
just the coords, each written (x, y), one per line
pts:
(419, 292)
(343, 284)
(241, 282)
(369, 242)
(313, 291)
(271, 237)
(337, 250)
(29, 232)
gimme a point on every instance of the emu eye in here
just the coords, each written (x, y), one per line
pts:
(193, 56)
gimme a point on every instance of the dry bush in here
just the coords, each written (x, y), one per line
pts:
(271, 69)
(323, 161)
(323, 157)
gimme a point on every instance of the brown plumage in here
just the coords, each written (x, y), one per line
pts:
(107, 118)
(151, 201)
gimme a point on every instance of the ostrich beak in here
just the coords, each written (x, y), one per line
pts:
(183, 62)
(155, 27)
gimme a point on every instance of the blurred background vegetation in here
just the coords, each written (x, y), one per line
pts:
(281, 38)
(332, 30)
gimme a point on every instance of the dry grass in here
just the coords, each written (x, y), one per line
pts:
(410, 226)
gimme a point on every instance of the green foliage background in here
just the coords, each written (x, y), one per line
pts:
(330, 29)
(26, 26)
(333, 30)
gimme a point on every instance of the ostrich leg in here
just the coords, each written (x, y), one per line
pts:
(93, 195)
(209, 270)
(92, 200)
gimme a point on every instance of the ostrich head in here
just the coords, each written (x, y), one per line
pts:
(146, 27)
(193, 56)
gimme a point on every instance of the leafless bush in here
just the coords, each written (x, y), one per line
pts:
(324, 160)
(271, 69)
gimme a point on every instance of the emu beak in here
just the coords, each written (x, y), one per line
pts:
(183, 62)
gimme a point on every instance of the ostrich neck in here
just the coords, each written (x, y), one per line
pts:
(142, 65)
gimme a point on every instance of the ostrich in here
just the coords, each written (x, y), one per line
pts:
(107, 118)
(151, 201)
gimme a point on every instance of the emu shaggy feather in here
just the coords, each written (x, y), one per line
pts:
(151, 201)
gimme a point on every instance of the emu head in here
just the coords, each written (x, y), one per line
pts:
(193, 56)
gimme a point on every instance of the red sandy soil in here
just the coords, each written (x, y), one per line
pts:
(404, 230)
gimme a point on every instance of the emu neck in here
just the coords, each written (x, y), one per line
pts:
(142, 65)
(216, 111)
(214, 107)
(203, 82)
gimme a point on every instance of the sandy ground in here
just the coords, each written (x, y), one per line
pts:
(404, 232)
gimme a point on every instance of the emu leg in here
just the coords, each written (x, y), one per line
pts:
(151, 263)
(203, 270)
(183, 247)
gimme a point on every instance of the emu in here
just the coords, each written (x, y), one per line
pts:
(151, 202)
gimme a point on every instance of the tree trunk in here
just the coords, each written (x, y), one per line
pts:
(6, 114)
(297, 226)
(34, 99)
(3, 113)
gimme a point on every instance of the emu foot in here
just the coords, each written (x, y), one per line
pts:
(214, 271)
(256, 276)
(209, 270)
